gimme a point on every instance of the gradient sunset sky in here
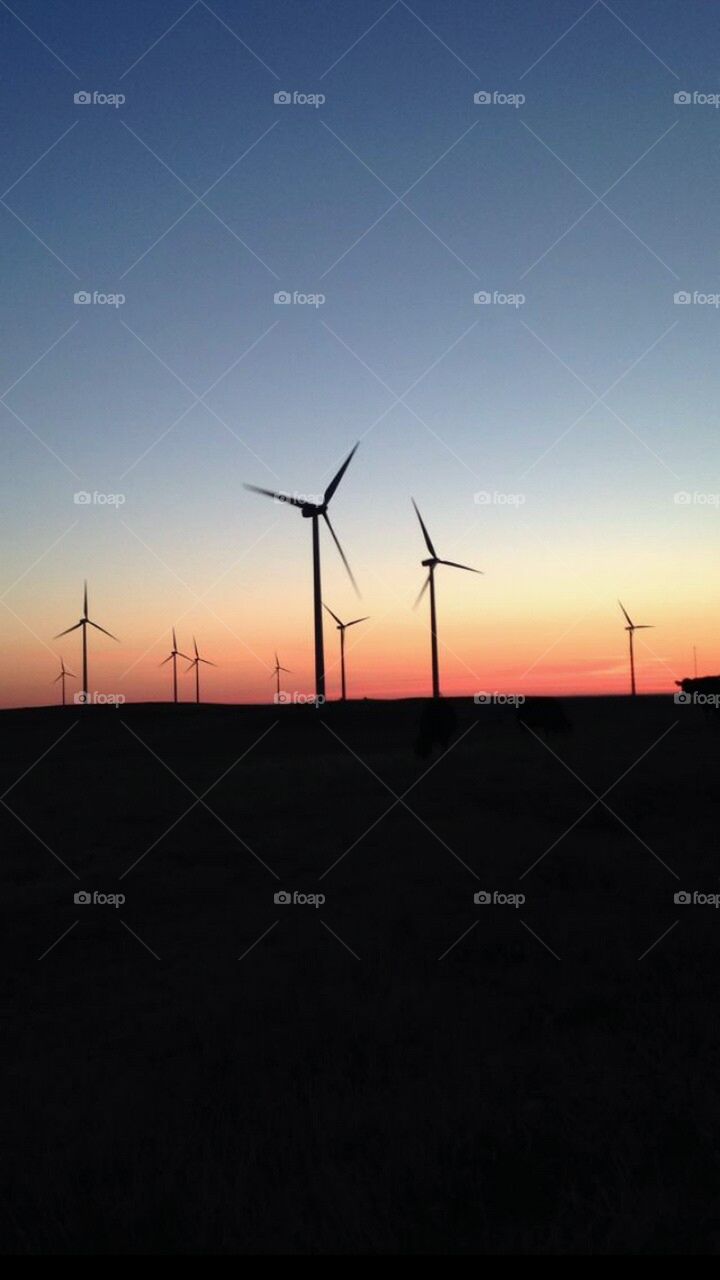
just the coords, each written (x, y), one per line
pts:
(545, 443)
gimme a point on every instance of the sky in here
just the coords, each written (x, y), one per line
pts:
(560, 433)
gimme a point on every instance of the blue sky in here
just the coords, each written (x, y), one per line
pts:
(199, 380)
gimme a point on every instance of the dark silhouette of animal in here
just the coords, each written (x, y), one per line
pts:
(703, 691)
(543, 715)
(438, 723)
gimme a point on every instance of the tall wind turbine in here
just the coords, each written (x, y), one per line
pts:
(631, 628)
(314, 511)
(63, 673)
(173, 656)
(276, 672)
(86, 622)
(342, 628)
(195, 662)
(431, 564)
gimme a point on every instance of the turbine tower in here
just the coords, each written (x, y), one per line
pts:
(276, 673)
(86, 622)
(342, 628)
(431, 564)
(631, 628)
(173, 656)
(314, 511)
(63, 673)
(195, 662)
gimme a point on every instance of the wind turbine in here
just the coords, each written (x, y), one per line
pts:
(631, 628)
(195, 662)
(431, 564)
(173, 655)
(342, 628)
(86, 622)
(314, 511)
(63, 673)
(276, 672)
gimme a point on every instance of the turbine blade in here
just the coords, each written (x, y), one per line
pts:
(343, 557)
(168, 659)
(454, 565)
(207, 662)
(97, 627)
(270, 493)
(197, 655)
(287, 670)
(338, 477)
(355, 621)
(426, 535)
(67, 633)
(192, 664)
(627, 615)
(62, 673)
(69, 673)
(174, 640)
(648, 626)
(426, 584)
(85, 600)
(186, 656)
(332, 615)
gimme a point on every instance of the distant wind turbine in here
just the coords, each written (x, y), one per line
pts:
(342, 628)
(63, 673)
(431, 564)
(631, 628)
(313, 511)
(173, 656)
(195, 662)
(276, 673)
(86, 622)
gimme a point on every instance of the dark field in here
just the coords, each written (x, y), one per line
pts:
(355, 1082)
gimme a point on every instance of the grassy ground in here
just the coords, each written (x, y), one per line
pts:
(365, 1079)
